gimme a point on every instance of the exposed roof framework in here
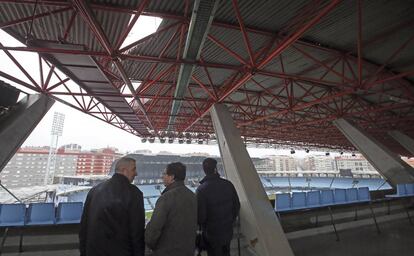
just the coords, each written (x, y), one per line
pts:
(285, 69)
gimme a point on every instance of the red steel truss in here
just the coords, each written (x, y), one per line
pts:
(296, 108)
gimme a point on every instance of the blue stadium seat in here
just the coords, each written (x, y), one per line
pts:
(282, 202)
(147, 207)
(298, 200)
(352, 195)
(320, 182)
(313, 199)
(41, 214)
(298, 182)
(327, 197)
(265, 182)
(401, 190)
(409, 189)
(153, 202)
(149, 190)
(372, 184)
(69, 213)
(147, 204)
(12, 215)
(342, 183)
(363, 195)
(279, 181)
(340, 196)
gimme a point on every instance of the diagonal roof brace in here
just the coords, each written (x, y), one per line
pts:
(128, 82)
(90, 19)
(201, 18)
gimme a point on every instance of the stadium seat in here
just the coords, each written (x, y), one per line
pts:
(298, 200)
(12, 215)
(401, 190)
(340, 196)
(40, 214)
(313, 199)
(280, 182)
(69, 213)
(342, 183)
(327, 197)
(409, 189)
(153, 200)
(282, 202)
(298, 182)
(352, 195)
(363, 195)
(149, 190)
(404, 191)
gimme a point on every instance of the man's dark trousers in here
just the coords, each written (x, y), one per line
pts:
(218, 250)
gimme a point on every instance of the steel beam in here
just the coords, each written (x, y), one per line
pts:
(201, 19)
(259, 224)
(387, 163)
(19, 123)
(404, 140)
(131, 24)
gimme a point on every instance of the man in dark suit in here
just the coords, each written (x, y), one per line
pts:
(218, 207)
(113, 218)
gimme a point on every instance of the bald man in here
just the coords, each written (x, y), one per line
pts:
(113, 218)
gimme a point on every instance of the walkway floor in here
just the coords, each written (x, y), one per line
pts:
(396, 238)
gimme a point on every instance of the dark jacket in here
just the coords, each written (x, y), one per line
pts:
(173, 226)
(113, 220)
(218, 207)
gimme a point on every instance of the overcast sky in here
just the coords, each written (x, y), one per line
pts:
(88, 131)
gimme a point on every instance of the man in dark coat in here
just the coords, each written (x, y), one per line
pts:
(173, 226)
(113, 218)
(218, 207)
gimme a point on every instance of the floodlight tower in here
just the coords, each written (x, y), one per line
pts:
(56, 132)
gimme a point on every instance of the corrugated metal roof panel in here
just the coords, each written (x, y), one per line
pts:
(124, 3)
(155, 45)
(113, 24)
(218, 76)
(263, 14)
(176, 7)
(45, 28)
(339, 28)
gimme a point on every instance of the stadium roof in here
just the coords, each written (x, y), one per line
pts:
(285, 69)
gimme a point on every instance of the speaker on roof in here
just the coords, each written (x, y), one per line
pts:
(8, 95)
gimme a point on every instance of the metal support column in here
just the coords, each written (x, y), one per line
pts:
(259, 224)
(387, 163)
(404, 140)
(20, 122)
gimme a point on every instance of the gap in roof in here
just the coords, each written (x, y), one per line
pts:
(136, 84)
(144, 26)
(28, 60)
(8, 40)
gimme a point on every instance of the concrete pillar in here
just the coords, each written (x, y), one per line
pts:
(259, 223)
(17, 125)
(387, 163)
(404, 140)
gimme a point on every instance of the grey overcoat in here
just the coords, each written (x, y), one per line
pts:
(173, 225)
